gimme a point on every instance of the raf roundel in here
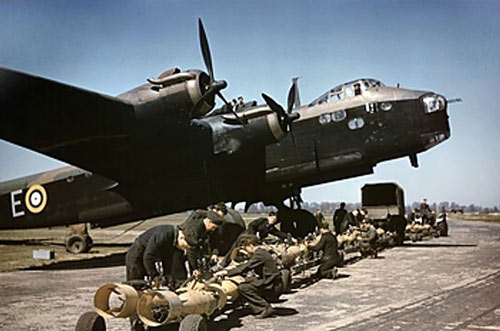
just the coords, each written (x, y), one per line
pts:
(36, 199)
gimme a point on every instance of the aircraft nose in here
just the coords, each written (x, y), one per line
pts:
(433, 102)
(436, 119)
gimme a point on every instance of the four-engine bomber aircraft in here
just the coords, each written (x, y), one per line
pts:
(159, 149)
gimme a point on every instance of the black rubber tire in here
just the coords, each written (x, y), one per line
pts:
(194, 323)
(443, 228)
(78, 244)
(90, 321)
(298, 222)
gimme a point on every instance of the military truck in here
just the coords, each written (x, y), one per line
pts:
(385, 205)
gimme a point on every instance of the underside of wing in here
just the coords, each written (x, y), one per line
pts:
(83, 128)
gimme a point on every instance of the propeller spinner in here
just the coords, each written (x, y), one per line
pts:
(285, 118)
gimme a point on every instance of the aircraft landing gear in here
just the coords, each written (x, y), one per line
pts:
(298, 222)
(79, 240)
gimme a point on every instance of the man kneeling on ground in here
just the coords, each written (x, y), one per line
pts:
(331, 257)
(263, 281)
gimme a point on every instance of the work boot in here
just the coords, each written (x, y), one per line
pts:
(266, 313)
(334, 273)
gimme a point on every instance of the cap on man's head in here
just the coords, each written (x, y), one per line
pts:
(324, 226)
(222, 207)
(191, 239)
(216, 219)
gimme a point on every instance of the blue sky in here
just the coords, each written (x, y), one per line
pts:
(450, 47)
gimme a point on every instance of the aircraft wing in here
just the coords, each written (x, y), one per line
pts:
(73, 125)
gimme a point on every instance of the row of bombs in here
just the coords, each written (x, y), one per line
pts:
(417, 231)
(158, 307)
(350, 240)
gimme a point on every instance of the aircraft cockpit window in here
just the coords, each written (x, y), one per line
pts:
(347, 90)
(372, 83)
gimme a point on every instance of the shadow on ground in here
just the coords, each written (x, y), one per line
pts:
(431, 245)
(50, 242)
(232, 317)
(113, 260)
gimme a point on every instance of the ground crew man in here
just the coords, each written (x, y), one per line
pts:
(338, 217)
(352, 218)
(162, 243)
(320, 218)
(240, 104)
(158, 244)
(425, 211)
(262, 227)
(263, 281)
(331, 258)
(196, 229)
(368, 245)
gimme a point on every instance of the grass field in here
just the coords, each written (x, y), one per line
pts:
(16, 246)
(477, 217)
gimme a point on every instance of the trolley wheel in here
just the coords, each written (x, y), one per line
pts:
(77, 244)
(90, 321)
(194, 323)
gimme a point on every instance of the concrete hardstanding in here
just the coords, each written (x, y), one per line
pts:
(445, 283)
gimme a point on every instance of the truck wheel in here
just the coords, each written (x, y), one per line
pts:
(90, 321)
(78, 244)
(443, 228)
(194, 323)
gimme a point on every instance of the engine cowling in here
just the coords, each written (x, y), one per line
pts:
(260, 127)
(173, 90)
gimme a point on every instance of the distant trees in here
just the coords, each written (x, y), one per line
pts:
(329, 207)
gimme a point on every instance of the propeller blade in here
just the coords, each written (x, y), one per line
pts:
(205, 50)
(274, 106)
(291, 98)
(232, 108)
(297, 94)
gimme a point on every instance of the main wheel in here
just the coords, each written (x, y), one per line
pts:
(194, 323)
(298, 222)
(78, 244)
(90, 321)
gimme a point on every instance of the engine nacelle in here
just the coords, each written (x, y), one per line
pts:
(172, 90)
(261, 127)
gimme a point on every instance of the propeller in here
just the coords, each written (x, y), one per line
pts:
(285, 118)
(214, 86)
